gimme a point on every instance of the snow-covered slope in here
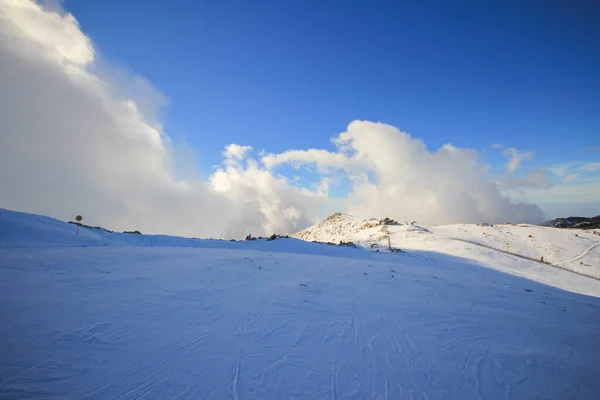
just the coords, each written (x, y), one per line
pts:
(23, 230)
(502, 245)
(112, 316)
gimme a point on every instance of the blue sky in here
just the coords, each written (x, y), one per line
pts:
(291, 74)
(500, 100)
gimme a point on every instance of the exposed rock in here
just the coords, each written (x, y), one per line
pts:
(90, 227)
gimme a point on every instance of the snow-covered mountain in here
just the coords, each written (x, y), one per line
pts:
(575, 223)
(103, 315)
(503, 245)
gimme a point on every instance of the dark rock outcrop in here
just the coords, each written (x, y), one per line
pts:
(575, 223)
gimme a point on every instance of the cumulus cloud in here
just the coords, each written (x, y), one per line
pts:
(266, 201)
(516, 158)
(73, 142)
(77, 141)
(324, 160)
(236, 152)
(395, 175)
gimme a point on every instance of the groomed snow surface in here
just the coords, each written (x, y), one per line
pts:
(116, 316)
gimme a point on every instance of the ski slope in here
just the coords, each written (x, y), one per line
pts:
(115, 316)
(573, 250)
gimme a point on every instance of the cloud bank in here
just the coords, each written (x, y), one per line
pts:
(394, 174)
(73, 141)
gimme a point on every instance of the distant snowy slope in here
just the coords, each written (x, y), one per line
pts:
(556, 246)
(576, 250)
(18, 230)
(22, 229)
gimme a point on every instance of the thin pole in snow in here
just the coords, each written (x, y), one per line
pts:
(78, 219)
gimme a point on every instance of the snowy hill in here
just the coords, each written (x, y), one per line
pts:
(575, 223)
(23, 230)
(114, 316)
(504, 246)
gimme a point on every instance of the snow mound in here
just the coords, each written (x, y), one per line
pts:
(335, 229)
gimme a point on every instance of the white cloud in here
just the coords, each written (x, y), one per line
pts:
(566, 194)
(324, 160)
(590, 167)
(578, 193)
(235, 151)
(58, 36)
(516, 158)
(264, 201)
(574, 170)
(561, 170)
(75, 141)
(395, 175)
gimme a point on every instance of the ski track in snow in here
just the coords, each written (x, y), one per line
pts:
(579, 257)
(175, 323)
(206, 323)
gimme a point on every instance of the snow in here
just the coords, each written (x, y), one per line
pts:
(116, 316)
(574, 250)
